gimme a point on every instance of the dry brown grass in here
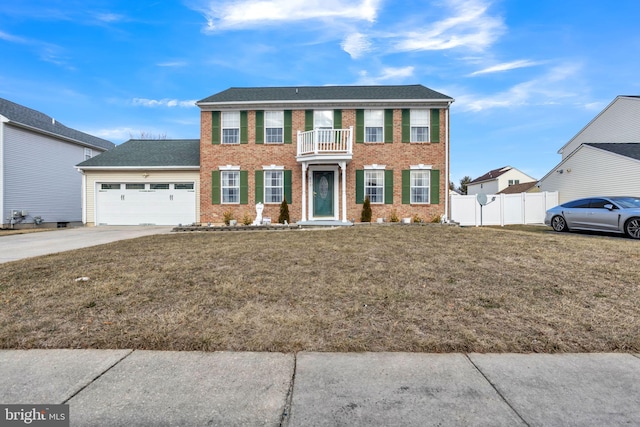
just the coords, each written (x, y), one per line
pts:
(388, 288)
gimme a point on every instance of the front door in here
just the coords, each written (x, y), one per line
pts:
(323, 194)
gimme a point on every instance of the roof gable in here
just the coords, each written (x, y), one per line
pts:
(148, 153)
(492, 174)
(27, 117)
(325, 93)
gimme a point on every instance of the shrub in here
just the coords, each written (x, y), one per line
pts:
(246, 219)
(417, 219)
(436, 219)
(284, 212)
(366, 211)
(394, 217)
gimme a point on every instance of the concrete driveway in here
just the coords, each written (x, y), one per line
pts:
(19, 246)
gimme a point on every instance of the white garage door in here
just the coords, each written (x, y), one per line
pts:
(158, 203)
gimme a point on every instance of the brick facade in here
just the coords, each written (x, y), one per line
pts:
(396, 156)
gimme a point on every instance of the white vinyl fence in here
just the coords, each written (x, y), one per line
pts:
(522, 208)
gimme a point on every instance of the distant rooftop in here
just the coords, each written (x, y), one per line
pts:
(20, 115)
(142, 153)
(326, 93)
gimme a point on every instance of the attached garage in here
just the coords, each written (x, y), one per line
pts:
(143, 182)
(157, 203)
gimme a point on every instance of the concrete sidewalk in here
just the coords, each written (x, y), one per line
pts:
(20, 246)
(142, 388)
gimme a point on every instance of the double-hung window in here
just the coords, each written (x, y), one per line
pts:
(274, 127)
(230, 186)
(420, 185)
(273, 186)
(373, 125)
(420, 122)
(230, 127)
(374, 185)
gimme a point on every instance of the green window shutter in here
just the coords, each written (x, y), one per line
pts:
(287, 186)
(406, 187)
(337, 119)
(259, 186)
(388, 187)
(215, 127)
(435, 187)
(215, 187)
(435, 125)
(359, 186)
(244, 187)
(244, 135)
(406, 125)
(308, 120)
(388, 126)
(360, 126)
(288, 127)
(259, 127)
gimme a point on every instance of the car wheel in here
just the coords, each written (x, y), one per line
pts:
(632, 228)
(558, 223)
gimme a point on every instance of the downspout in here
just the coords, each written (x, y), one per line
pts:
(84, 196)
(446, 166)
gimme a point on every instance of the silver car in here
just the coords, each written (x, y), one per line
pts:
(610, 214)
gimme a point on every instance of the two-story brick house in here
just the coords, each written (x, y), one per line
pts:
(324, 149)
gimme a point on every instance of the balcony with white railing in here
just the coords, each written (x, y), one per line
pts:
(325, 144)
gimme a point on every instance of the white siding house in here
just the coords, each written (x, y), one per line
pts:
(497, 180)
(603, 159)
(619, 122)
(596, 170)
(38, 179)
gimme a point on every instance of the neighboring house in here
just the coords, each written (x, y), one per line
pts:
(603, 158)
(596, 169)
(324, 149)
(498, 180)
(527, 187)
(143, 182)
(38, 181)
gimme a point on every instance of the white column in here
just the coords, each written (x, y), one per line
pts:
(343, 166)
(304, 192)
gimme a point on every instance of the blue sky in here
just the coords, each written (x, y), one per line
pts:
(526, 76)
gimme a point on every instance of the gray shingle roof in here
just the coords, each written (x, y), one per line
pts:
(149, 153)
(21, 115)
(628, 149)
(326, 93)
(493, 174)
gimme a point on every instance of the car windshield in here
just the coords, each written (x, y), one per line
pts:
(627, 202)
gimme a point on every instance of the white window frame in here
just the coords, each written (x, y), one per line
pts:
(230, 121)
(420, 119)
(374, 180)
(277, 172)
(415, 171)
(226, 175)
(274, 121)
(513, 182)
(88, 153)
(374, 126)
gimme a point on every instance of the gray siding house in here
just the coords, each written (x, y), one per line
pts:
(603, 159)
(38, 178)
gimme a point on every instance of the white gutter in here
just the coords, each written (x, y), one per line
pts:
(446, 164)
(133, 168)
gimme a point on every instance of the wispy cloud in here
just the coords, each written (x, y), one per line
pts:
(387, 74)
(13, 39)
(170, 103)
(356, 45)
(547, 89)
(110, 17)
(226, 14)
(506, 66)
(470, 26)
(172, 64)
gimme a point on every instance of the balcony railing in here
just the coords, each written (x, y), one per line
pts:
(325, 142)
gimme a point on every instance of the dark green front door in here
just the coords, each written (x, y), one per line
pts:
(322, 194)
